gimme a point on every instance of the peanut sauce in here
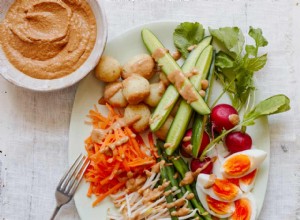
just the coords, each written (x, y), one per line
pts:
(98, 134)
(186, 91)
(159, 53)
(115, 144)
(187, 138)
(193, 72)
(48, 39)
(111, 89)
(190, 176)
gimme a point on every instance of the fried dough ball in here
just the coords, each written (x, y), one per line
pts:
(164, 79)
(156, 92)
(142, 65)
(163, 131)
(135, 89)
(114, 96)
(108, 69)
(139, 112)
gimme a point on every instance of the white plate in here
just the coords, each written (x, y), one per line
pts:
(90, 90)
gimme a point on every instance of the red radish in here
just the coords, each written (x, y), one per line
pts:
(224, 116)
(186, 146)
(196, 164)
(238, 141)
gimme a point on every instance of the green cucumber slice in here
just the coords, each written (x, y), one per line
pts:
(169, 65)
(185, 111)
(200, 121)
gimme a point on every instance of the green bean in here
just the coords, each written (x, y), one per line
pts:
(174, 182)
(184, 190)
(164, 177)
(182, 168)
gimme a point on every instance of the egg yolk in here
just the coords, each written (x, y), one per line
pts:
(225, 190)
(237, 165)
(234, 181)
(248, 179)
(242, 210)
(218, 207)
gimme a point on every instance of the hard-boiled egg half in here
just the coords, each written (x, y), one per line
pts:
(246, 183)
(215, 207)
(219, 189)
(242, 163)
(245, 208)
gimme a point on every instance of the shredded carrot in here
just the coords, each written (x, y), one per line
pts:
(89, 193)
(152, 146)
(140, 163)
(107, 172)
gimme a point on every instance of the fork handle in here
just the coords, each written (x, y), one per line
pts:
(55, 212)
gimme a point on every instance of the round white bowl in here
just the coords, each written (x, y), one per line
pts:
(13, 75)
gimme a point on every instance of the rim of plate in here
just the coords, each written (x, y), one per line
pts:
(16, 77)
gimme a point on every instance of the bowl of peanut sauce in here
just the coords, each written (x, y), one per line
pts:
(47, 45)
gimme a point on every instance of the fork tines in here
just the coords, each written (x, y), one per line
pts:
(71, 179)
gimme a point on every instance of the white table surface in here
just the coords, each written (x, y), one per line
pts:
(34, 126)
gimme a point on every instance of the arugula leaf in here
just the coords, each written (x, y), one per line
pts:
(187, 34)
(232, 38)
(255, 64)
(260, 41)
(273, 105)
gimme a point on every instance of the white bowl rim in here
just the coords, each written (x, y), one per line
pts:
(16, 77)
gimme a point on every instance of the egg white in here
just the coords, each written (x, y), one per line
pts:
(202, 197)
(247, 187)
(251, 199)
(203, 179)
(256, 158)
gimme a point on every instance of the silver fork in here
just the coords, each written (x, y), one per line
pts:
(69, 182)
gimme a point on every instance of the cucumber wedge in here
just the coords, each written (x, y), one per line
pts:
(169, 65)
(185, 111)
(200, 121)
(171, 95)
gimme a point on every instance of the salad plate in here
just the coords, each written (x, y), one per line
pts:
(90, 90)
